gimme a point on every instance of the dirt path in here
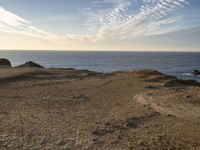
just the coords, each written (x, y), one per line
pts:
(167, 105)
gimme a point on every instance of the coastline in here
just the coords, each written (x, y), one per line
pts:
(57, 108)
(178, 64)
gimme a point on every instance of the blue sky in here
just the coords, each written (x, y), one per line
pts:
(100, 24)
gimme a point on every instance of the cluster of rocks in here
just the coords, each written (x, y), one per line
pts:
(5, 63)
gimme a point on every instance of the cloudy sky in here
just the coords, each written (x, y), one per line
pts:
(138, 25)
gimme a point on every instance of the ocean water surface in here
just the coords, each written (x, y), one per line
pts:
(180, 64)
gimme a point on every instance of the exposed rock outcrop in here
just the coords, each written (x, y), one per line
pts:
(30, 64)
(196, 72)
(179, 82)
(4, 62)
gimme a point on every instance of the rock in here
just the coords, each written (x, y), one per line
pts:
(149, 72)
(196, 72)
(4, 62)
(151, 87)
(178, 83)
(31, 64)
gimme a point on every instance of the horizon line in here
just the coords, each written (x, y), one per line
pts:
(49, 50)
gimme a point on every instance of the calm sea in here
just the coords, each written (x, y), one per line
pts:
(180, 64)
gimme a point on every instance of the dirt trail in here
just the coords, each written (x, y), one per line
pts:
(165, 105)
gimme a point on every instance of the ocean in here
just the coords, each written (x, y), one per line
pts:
(180, 64)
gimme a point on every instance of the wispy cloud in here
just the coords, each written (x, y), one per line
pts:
(110, 19)
(13, 24)
(152, 18)
(110, 16)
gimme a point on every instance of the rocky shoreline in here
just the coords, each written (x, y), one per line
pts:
(5, 63)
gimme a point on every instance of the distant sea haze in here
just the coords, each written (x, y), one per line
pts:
(180, 64)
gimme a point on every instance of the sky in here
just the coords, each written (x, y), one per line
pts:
(121, 25)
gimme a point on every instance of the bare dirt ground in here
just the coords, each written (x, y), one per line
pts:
(55, 109)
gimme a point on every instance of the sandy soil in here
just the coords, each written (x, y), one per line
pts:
(55, 109)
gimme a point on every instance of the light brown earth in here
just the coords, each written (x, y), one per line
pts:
(61, 109)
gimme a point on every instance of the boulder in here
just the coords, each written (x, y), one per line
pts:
(4, 62)
(30, 64)
(196, 72)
